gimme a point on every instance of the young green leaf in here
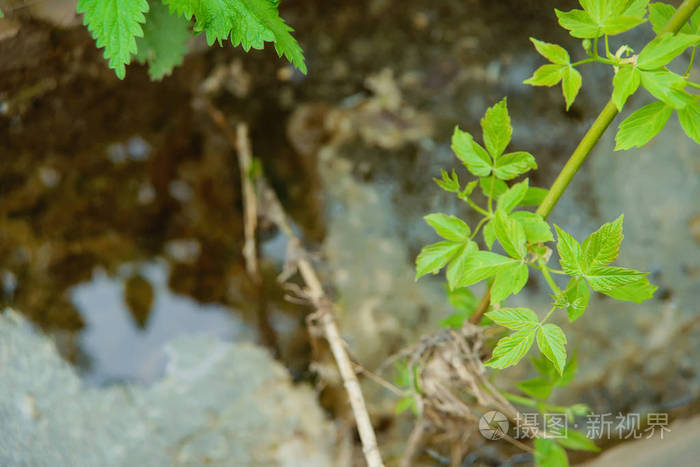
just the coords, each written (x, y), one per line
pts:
(638, 291)
(569, 372)
(539, 388)
(510, 234)
(496, 128)
(602, 247)
(434, 257)
(625, 83)
(571, 84)
(549, 454)
(570, 253)
(547, 75)
(509, 280)
(449, 182)
(456, 269)
(449, 227)
(479, 266)
(536, 228)
(249, 23)
(551, 341)
(665, 48)
(517, 319)
(579, 24)
(534, 196)
(577, 295)
(511, 197)
(667, 87)
(405, 403)
(552, 52)
(489, 233)
(115, 25)
(472, 155)
(492, 186)
(513, 164)
(689, 117)
(511, 349)
(608, 278)
(642, 125)
(577, 441)
(164, 41)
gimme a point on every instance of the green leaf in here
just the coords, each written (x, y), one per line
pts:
(457, 267)
(665, 48)
(544, 367)
(621, 24)
(577, 295)
(513, 164)
(546, 75)
(511, 197)
(551, 341)
(660, 13)
(539, 388)
(449, 227)
(511, 349)
(115, 25)
(689, 117)
(479, 266)
(406, 403)
(510, 234)
(642, 125)
(577, 441)
(517, 319)
(249, 23)
(552, 52)
(625, 83)
(571, 83)
(489, 233)
(536, 228)
(472, 155)
(602, 247)
(449, 183)
(569, 372)
(164, 41)
(570, 253)
(509, 280)
(666, 86)
(607, 278)
(534, 196)
(462, 299)
(496, 129)
(499, 186)
(549, 454)
(434, 257)
(638, 291)
(578, 23)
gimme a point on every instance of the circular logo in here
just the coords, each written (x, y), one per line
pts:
(493, 425)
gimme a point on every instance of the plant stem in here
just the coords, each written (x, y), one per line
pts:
(548, 277)
(690, 65)
(478, 226)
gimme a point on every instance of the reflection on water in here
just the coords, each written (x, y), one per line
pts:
(121, 350)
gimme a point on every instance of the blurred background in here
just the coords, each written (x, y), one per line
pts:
(121, 230)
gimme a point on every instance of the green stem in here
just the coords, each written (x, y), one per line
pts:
(548, 315)
(609, 112)
(477, 208)
(548, 277)
(690, 65)
(478, 226)
(607, 47)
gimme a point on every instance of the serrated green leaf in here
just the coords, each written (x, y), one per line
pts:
(479, 266)
(625, 83)
(602, 247)
(546, 75)
(249, 23)
(510, 234)
(667, 87)
(571, 84)
(539, 388)
(689, 116)
(577, 441)
(510, 198)
(517, 319)
(472, 155)
(449, 182)
(511, 349)
(552, 52)
(115, 25)
(605, 279)
(509, 281)
(635, 8)
(496, 129)
(569, 372)
(458, 265)
(638, 291)
(577, 295)
(549, 454)
(665, 48)
(492, 186)
(621, 24)
(449, 227)
(642, 125)
(489, 234)
(534, 196)
(536, 228)
(578, 23)
(551, 341)
(164, 41)
(513, 164)
(434, 257)
(570, 253)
